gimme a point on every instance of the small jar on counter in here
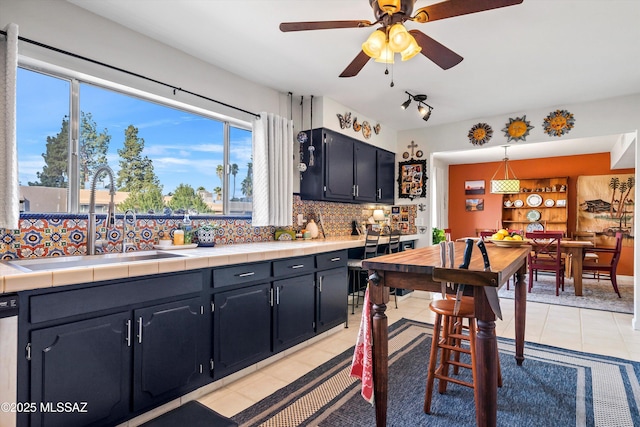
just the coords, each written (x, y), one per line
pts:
(178, 237)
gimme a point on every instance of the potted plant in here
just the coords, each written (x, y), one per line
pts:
(206, 234)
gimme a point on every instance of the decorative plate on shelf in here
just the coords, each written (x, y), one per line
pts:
(533, 215)
(534, 200)
(534, 226)
(518, 203)
(549, 203)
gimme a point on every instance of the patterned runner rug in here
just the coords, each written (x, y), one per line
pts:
(554, 387)
(596, 295)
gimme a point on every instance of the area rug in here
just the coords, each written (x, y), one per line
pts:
(553, 387)
(596, 295)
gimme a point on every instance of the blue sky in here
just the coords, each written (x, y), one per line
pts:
(184, 147)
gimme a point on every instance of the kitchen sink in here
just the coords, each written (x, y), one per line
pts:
(57, 263)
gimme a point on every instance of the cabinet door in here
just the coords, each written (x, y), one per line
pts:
(294, 316)
(169, 350)
(386, 169)
(86, 361)
(338, 167)
(365, 172)
(331, 298)
(241, 328)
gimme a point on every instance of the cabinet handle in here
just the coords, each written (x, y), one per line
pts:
(297, 266)
(140, 330)
(357, 190)
(335, 259)
(353, 190)
(129, 333)
(379, 193)
(251, 273)
(320, 283)
(278, 296)
(271, 297)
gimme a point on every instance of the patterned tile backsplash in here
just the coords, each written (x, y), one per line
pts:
(43, 235)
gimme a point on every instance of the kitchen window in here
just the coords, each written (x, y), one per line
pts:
(163, 157)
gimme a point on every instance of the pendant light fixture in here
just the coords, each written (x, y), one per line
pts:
(506, 185)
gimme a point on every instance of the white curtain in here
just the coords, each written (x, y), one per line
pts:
(9, 191)
(272, 171)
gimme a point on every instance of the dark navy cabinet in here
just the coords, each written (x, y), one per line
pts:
(347, 170)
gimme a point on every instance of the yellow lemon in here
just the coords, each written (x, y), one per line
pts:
(497, 236)
(503, 232)
(517, 237)
(508, 238)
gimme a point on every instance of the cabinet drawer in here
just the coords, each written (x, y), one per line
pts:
(238, 274)
(292, 266)
(58, 305)
(331, 260)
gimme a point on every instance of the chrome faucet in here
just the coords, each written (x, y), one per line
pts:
(124, 229)
(111, 214)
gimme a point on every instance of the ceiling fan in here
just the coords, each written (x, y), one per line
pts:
(391, 37)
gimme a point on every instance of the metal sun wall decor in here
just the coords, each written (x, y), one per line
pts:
(558, 123)
(517, 129)
(480, 134)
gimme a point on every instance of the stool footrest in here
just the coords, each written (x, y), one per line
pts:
(450, 379)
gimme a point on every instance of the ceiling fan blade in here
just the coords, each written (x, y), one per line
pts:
(356, 65)
(451, 8)
(322, 25)
(444, 57)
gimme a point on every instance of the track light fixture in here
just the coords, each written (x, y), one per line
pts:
(423, 108)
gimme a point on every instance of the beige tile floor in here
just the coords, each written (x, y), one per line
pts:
(567, 327)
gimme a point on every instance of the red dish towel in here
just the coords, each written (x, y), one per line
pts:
(362, 364)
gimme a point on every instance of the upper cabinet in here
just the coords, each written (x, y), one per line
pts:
(346, 170)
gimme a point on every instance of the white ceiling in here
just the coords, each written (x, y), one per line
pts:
(533, 55)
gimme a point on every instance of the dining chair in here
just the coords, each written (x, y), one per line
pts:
(609, 268)
(486, 234)
(394, 246)
(592, 257)
(354, 265)
(546, 255)
(447, 340)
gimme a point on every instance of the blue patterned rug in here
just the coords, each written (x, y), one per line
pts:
(554, 387)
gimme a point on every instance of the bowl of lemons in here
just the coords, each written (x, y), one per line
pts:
(508, 239)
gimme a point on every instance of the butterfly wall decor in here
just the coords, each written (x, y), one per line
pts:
(345, 121)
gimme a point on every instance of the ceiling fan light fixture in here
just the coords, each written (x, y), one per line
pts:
(412, 50)
(389, 6)
(386, 56)
(375, 44)
(399, 38)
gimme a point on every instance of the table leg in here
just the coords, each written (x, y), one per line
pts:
(520, 313)
(576, 265)
(380, 348)
(486, 381)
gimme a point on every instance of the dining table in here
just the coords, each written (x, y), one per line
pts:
(421, 269)
(573, 248)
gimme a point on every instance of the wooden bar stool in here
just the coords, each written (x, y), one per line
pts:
(450, 346)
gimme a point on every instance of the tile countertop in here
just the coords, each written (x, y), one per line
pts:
(13, 279)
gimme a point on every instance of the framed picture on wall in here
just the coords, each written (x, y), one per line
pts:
(412, 179)
(474, 187)
(474, 205)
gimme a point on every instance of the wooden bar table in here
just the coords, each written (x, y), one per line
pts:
(419, 269)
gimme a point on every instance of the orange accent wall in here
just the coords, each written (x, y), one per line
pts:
(463, 223)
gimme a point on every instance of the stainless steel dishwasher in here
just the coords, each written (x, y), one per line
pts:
(8, 358)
